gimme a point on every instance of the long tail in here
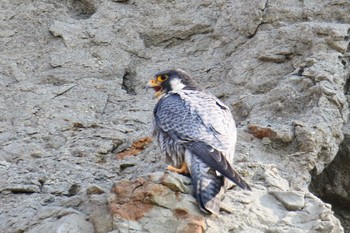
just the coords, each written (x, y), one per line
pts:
(208, 187)
(216, 160)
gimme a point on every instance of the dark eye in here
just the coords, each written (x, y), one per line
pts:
(162, 78)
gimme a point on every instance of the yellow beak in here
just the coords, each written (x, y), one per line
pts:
(155, 84)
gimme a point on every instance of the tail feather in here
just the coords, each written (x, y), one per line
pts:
(216, 160)
(208, 186)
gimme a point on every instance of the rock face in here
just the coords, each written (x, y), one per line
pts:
(74, 109)
(136, 205)
(333, 184)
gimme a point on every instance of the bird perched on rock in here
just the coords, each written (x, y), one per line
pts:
(197, 134)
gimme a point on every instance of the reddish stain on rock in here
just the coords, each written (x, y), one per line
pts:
(189, 223)
(129, 199)
(133, 199)
(136, 147)
(261, 132)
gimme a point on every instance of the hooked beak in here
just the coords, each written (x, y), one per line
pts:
(153, 83)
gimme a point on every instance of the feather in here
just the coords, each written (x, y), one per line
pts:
(207, 185)
(217, 161)
(195, 127)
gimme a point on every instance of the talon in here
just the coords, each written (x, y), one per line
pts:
(182, 170)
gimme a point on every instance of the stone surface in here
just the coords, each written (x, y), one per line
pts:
(72, 223)
(72, 77)
(138, 203)
(333, 185)
(149, 203)
(290, 200)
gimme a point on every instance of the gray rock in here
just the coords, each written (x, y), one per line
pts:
(72, 76)
(290, 200)
(146, 205)
(94, 189)
(333, 184)
(72, 223)
(99, 214)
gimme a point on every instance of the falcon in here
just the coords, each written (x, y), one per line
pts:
(197, 134)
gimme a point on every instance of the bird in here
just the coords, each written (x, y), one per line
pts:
(197, 134)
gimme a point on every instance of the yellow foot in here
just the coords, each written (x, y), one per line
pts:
(182, 170)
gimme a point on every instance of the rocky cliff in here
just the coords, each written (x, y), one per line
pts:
(75, 154)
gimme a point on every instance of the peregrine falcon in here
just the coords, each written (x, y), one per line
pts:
(197, 134)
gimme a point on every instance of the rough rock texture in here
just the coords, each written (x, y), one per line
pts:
(136, 205)
(72, 74)
(333, 184)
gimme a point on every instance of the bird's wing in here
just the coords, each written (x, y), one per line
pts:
(203, 125)
(198, 116)
(216, 160)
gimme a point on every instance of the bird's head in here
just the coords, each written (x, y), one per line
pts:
(171, 80)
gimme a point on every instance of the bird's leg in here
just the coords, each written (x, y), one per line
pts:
(182, 170)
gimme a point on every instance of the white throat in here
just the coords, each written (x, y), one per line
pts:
(176, 84)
